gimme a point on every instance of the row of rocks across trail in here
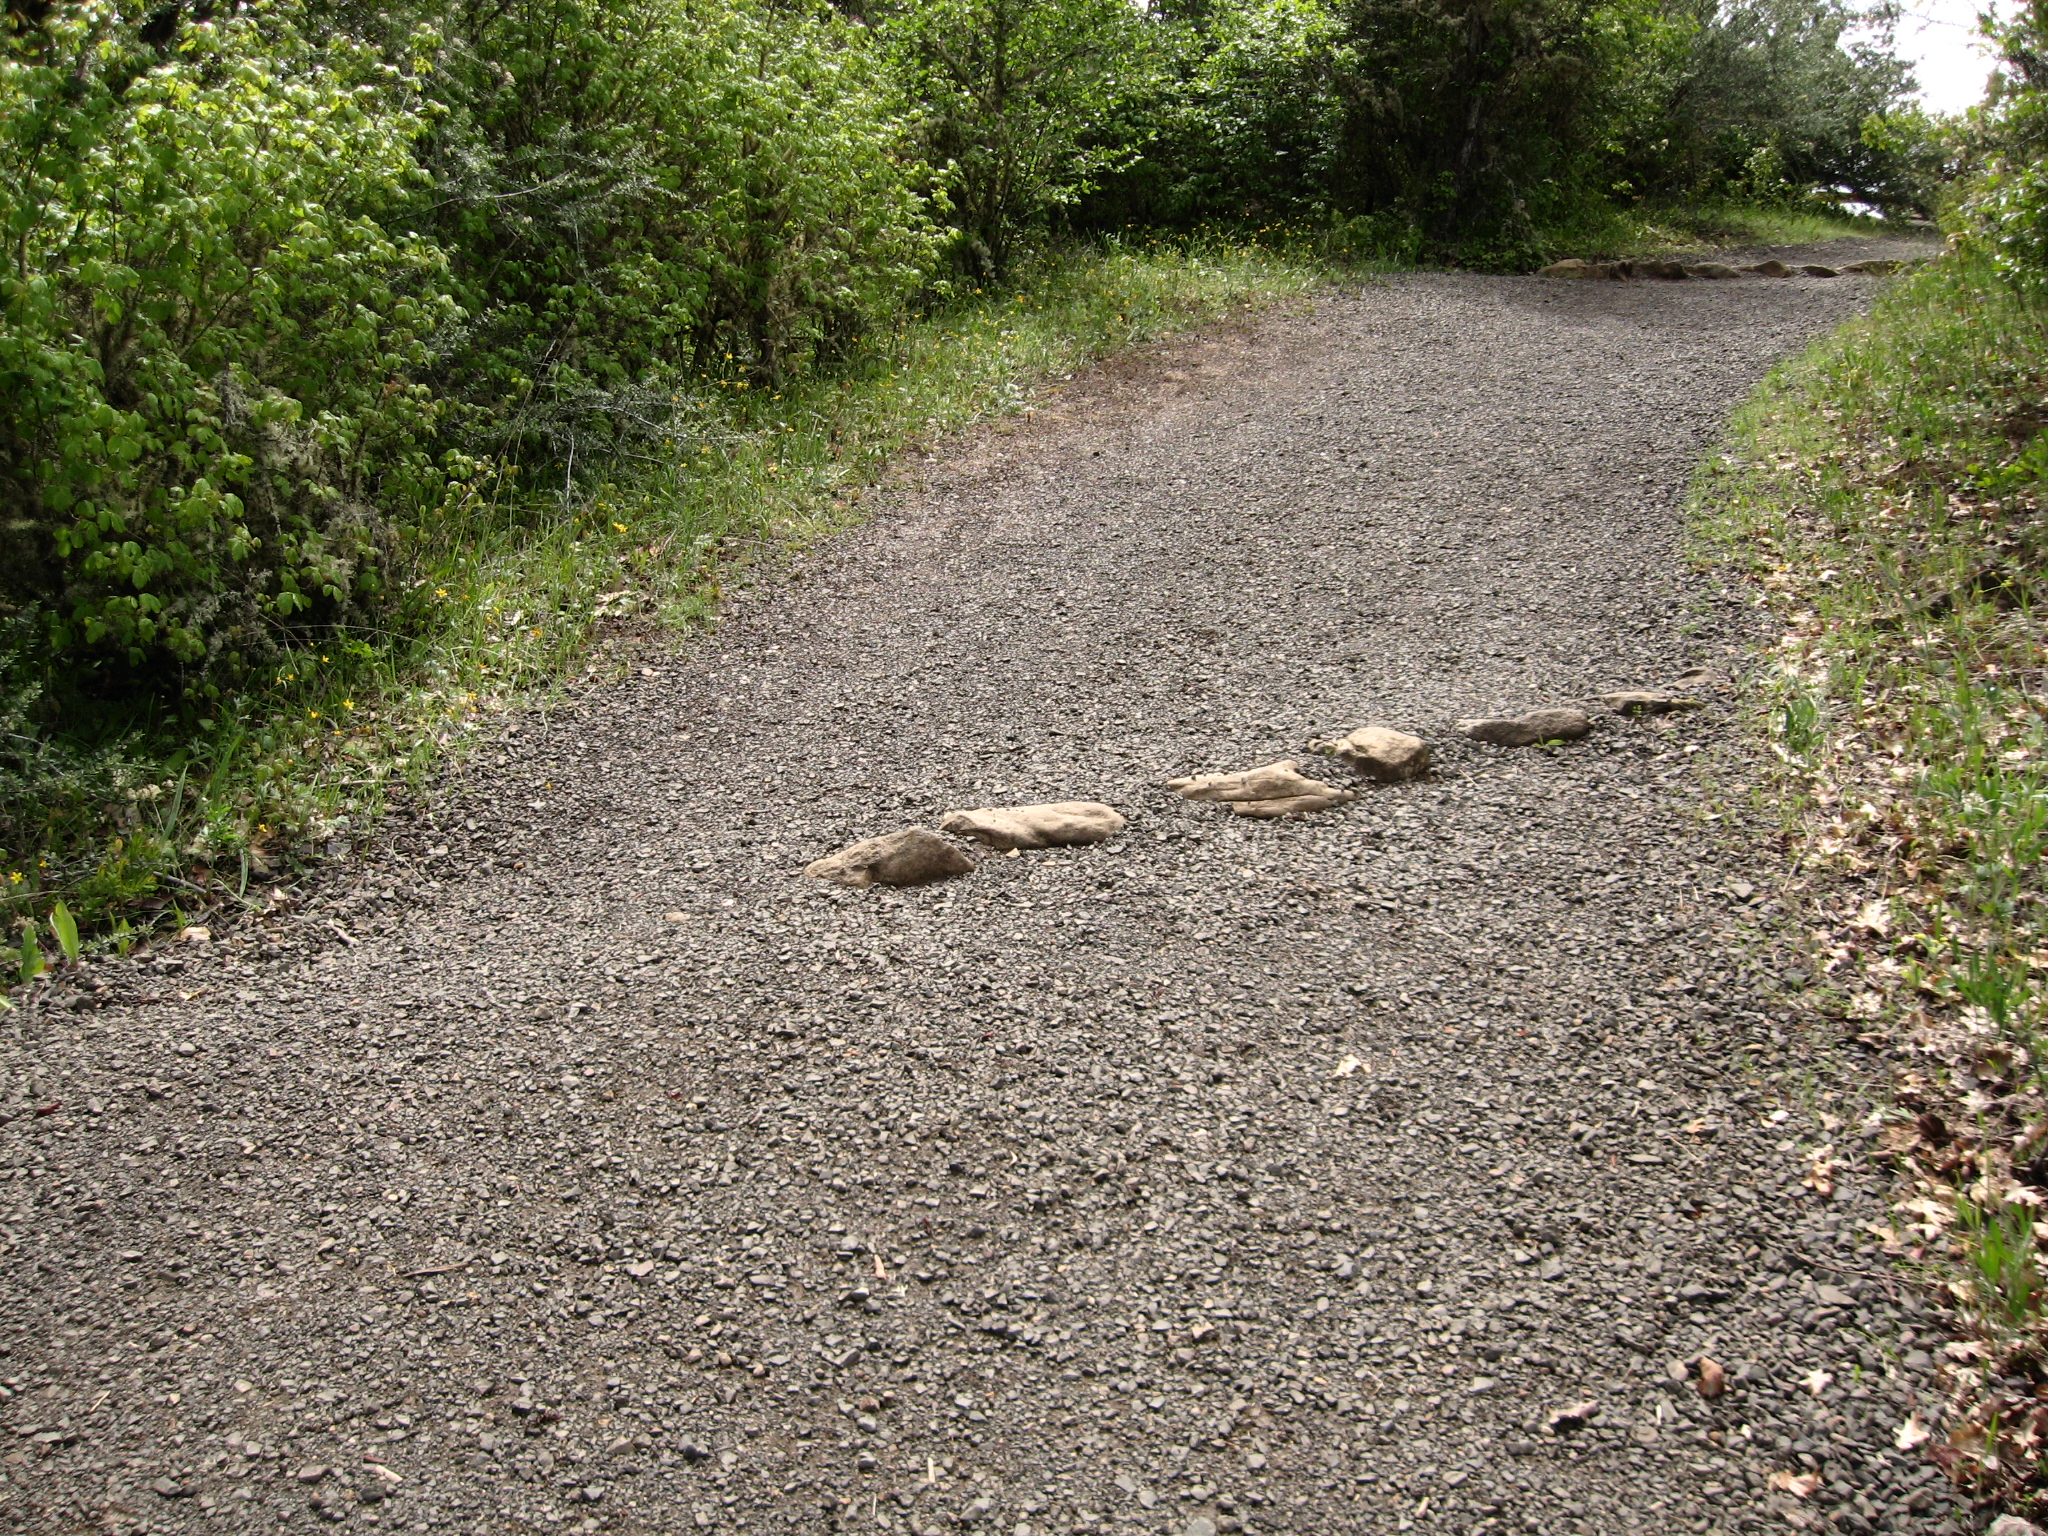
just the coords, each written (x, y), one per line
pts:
(916, 856)
(1679, 271)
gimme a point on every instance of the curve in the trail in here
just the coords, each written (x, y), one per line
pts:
(1226, 1175)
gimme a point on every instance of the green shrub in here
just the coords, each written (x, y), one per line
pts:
(2006, 210)
(634, 189)
(1029, 105)
(208, 415)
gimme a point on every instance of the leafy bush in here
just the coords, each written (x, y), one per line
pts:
(1030, 105)
(1774, 99)
(2006, 210)
(1254, 120)
(632, 188)
(208, 414)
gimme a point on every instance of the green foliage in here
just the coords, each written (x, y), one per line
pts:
(206, 337)
(2001, 1239)
(2006, 210)
(1256, 115)
(1027, 102)
(1488, 130)
(1773, 99)
(636, 188)
(65, 928)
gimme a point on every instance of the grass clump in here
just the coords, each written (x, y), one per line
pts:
(150, 819)
(1615, 232)
(1886, 493)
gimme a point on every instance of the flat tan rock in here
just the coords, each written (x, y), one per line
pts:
(1720, 271)
(1571, 266)
(1290, 805)
(1873, 268)
(910, 857)
(1278, 789)
(1064, 823)
(1771, 268)
(1646, 701)
(1379, 753)
(1815, 269)
(1526, 730)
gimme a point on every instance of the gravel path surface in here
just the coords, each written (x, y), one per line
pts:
(571, 1163)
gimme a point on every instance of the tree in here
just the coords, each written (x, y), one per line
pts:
(1775, 94)
(1458, 110)
(1028, 104)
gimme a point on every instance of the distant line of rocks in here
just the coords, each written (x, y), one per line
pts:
(1679, 271)
(916, 856)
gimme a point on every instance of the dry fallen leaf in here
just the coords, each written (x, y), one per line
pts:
(1348, 1065)
(1713, 1378)
(1799, 1485)
(1816, 1383)
(1912, 1433)
(1821, 1178)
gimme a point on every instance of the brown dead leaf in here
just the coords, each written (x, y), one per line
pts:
(1799, 1484)
(1898, 1139)
(1820, 1178)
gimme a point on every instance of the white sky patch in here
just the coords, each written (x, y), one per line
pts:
(1950, 58)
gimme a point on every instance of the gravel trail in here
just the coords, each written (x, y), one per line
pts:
(571, 1163)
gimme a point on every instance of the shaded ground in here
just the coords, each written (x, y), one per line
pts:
(572, 1163)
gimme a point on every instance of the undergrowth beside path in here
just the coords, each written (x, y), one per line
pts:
(1650, 230)
(1885, 494)
(144, 825)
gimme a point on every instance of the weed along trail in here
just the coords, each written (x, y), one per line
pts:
(1446, 1157)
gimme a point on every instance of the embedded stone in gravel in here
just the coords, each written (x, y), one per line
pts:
(1379, 753)
(1646, 701)
(911, 857)
(1815, 269)
(1526, 730)
(1571, 266)
(1576, 1416)
(1874, 268)
(1711, 269)
(1290, 805)
(1064, 823)
(1278, 789)
(1771, 268)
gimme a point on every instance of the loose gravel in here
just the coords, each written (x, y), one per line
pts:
(570, 1162)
